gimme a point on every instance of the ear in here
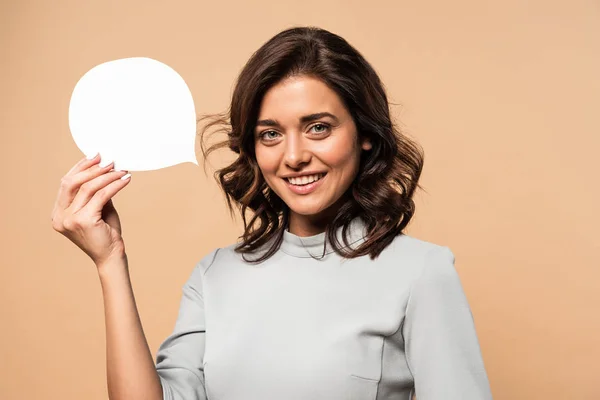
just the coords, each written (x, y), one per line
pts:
(366, 144)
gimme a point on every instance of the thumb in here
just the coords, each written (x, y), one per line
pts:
(110, 216)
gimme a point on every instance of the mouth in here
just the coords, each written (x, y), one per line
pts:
(305, 180)
(305, 184)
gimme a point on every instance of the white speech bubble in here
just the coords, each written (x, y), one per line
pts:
(137, 112)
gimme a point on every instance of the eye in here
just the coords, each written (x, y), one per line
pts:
(266, 135)
(322, 125)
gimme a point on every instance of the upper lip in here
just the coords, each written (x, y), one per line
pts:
(303, 174)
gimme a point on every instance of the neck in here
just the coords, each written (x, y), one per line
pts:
(314, 245)
(309, 225)
(302, 225)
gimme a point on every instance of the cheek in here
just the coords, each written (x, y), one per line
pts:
(267, 162)
(338, 156)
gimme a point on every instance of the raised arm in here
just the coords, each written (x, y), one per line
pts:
(441, 343)
(129, 366)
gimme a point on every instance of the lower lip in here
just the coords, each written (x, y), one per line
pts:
(305, 189)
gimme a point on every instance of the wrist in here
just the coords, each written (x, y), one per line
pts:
(112, 265)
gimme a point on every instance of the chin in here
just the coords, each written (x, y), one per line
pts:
(305, 209)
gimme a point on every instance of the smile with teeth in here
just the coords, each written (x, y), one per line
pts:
(304, 180)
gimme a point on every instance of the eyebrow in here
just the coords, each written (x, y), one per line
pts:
(303, 119)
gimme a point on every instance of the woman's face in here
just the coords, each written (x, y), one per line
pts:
(307, 148)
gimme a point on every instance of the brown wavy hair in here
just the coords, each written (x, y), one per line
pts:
(388, 175)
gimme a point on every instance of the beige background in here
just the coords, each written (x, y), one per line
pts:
(503, 97)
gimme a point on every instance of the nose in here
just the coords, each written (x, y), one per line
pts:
(296, 152)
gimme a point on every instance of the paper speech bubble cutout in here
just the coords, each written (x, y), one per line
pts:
(137, 112)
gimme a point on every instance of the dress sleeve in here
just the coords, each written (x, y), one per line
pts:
(179, 360)
(441, 344)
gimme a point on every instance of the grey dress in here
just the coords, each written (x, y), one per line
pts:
(299, 328)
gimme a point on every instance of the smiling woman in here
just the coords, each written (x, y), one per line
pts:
(344, 305)
(311, 160)
(308, 104)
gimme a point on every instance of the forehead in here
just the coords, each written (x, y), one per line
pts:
(297, 96)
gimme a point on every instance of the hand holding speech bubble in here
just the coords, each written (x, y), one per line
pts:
(137, 112)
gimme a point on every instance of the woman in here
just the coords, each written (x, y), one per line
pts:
(324, 297)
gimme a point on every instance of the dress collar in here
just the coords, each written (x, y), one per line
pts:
(312, 246)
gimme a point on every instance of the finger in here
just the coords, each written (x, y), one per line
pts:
(69, 185)
(102, 196)
(89, 189)
(82, 164)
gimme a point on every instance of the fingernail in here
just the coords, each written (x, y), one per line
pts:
(105, 163)
(126, 176)
(92, 157)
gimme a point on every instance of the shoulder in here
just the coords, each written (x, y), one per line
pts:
(204, 263)
(407, 245)
(215, 256)
(433, 265)
(417, 253)
(416, 260)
